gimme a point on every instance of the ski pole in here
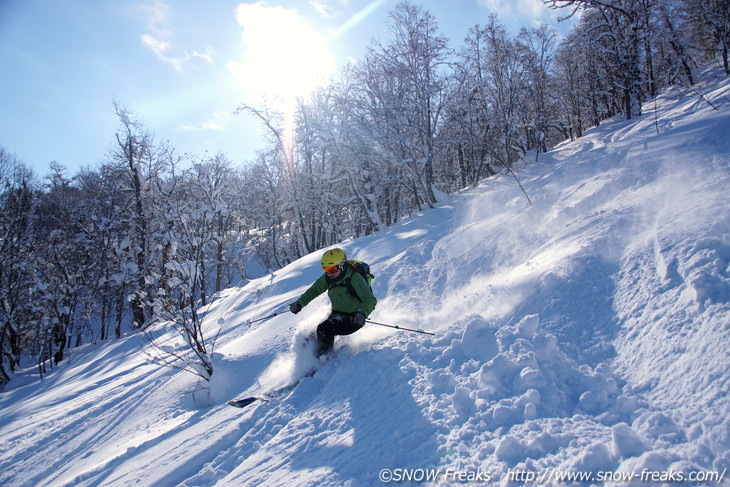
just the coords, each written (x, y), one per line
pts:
(399, 327)
(277, 313)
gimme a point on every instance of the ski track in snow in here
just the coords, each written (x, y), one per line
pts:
(587, 332)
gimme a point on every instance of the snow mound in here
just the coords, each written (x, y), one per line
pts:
(509, 394)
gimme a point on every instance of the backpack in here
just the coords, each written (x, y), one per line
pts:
(363, 269)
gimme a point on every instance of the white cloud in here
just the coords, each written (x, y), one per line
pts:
(218, 121)
(333, 9)
(198, 128)
(160, 49)
(207, 55)
(523, 11)
(322, 9)
(157, 13)
(159, 39)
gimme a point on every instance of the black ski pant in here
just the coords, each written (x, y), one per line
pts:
(336, 324)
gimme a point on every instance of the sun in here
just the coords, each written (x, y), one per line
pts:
(283, 55)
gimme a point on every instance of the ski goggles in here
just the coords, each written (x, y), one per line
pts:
(331, 269)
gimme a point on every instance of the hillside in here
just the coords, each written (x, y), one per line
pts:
(583, 334)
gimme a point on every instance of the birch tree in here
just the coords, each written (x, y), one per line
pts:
(619, 28)
(413, 66)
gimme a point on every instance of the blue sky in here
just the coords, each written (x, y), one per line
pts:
(183, 66)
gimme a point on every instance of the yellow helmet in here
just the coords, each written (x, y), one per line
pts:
(334, 257)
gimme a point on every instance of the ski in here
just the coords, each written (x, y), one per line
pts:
(265, 397)
(283, 390)
(270, 395)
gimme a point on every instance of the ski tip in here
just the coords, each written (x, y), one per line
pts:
(241, 403)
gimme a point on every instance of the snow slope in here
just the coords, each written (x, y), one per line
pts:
(584, 334)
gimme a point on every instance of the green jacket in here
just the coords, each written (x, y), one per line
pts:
(342, 300)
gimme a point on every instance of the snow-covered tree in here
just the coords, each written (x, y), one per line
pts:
(63, 264)
(708, 23)
(143, 164)
(407, 79)
(17, 202)
(536, 48)
(619, 30)
(133, 146)
(103, 193)
(199, 216)
(506, 83)
(470, 123)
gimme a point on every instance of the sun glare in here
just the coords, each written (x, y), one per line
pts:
(283, 56)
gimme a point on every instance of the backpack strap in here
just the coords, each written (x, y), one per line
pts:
(351, 288)
(347, 283)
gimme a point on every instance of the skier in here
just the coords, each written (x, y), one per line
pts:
(350, 295)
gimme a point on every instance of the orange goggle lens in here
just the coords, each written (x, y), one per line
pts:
(331, 269)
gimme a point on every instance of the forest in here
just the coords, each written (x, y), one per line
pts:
(151, 235)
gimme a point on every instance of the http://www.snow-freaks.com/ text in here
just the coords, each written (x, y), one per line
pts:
(548, 476)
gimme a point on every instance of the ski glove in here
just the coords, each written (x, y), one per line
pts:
(358, 319)
(295, 307)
